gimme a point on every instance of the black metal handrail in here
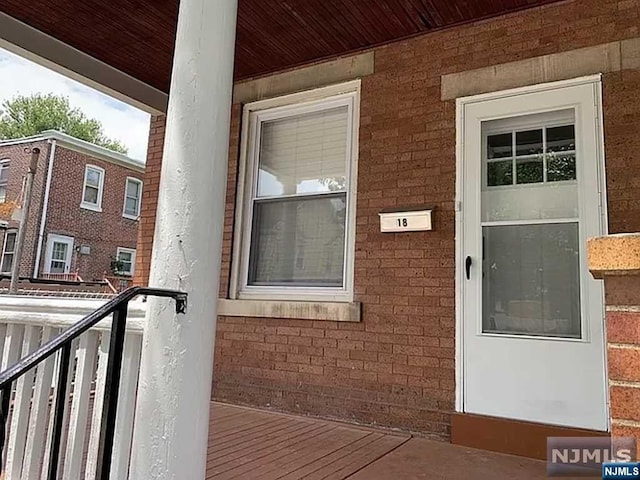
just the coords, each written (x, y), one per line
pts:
(118, 306)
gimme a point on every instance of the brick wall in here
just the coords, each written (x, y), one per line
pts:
(102, 231)
(20, 157)
(149, 199)
(623, 334)
(397, 366)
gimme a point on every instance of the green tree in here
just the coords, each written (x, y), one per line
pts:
(25, 116)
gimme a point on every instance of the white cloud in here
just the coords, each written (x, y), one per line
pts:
(120, 121)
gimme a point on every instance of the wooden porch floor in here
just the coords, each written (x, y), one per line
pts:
(246, 443)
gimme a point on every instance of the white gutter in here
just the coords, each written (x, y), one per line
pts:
(45, 208)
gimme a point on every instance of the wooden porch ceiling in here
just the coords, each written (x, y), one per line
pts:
(136, 36)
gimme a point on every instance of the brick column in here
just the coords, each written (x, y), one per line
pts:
(147, 224)
(616, 259)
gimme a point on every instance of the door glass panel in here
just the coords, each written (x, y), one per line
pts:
(59, 257)
(530, 230)
(531, 280)
(529, 142)
(561, 153)
(500, 146)
(500, 173)
(530, 170)
(57, 267)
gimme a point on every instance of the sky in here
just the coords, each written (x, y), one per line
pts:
(119, 120)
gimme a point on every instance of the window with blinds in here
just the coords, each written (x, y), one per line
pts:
(4, 179)
(132, 196)
(299, 169)
(92, 189)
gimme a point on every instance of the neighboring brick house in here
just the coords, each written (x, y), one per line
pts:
(84, 211)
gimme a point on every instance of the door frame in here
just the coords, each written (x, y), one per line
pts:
(461, 103)
(52, 237)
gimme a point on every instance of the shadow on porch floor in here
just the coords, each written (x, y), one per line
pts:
(246, 443)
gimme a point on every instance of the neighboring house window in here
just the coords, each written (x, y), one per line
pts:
(93, 185)
(298, 225)
(132, 197)
(8, 251)
(4, 179)
(127, 258)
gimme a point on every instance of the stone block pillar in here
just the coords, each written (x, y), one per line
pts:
(616, 259)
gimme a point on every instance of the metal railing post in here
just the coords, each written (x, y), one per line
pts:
(4, 416)
(60, 406)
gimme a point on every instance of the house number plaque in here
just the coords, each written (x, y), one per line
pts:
(408, 220)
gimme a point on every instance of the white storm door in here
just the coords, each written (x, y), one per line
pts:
(531, 315)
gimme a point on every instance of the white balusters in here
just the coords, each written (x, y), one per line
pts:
(126, 406)
(85, 371)
(12, 345)
(38, 420)
(92, 455)
(21, 408)
(30, 424)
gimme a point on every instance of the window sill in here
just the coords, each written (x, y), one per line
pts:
(131, 217)
(89, 206)
(330, 311)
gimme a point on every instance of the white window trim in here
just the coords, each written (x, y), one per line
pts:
(4, 250)
(124, 205)
(132, 251)
(92, 206)
(342, 94)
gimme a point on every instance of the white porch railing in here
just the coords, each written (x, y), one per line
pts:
(67, 277)
(25, 324)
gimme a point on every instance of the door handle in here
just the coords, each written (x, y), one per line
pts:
(467, 266)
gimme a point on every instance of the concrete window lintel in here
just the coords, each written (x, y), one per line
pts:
(603, 58)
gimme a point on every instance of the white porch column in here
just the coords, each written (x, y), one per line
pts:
(172, 418)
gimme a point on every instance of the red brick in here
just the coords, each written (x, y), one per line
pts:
(624, 364)
(618, 430)
(623, 327)
(625, 403)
